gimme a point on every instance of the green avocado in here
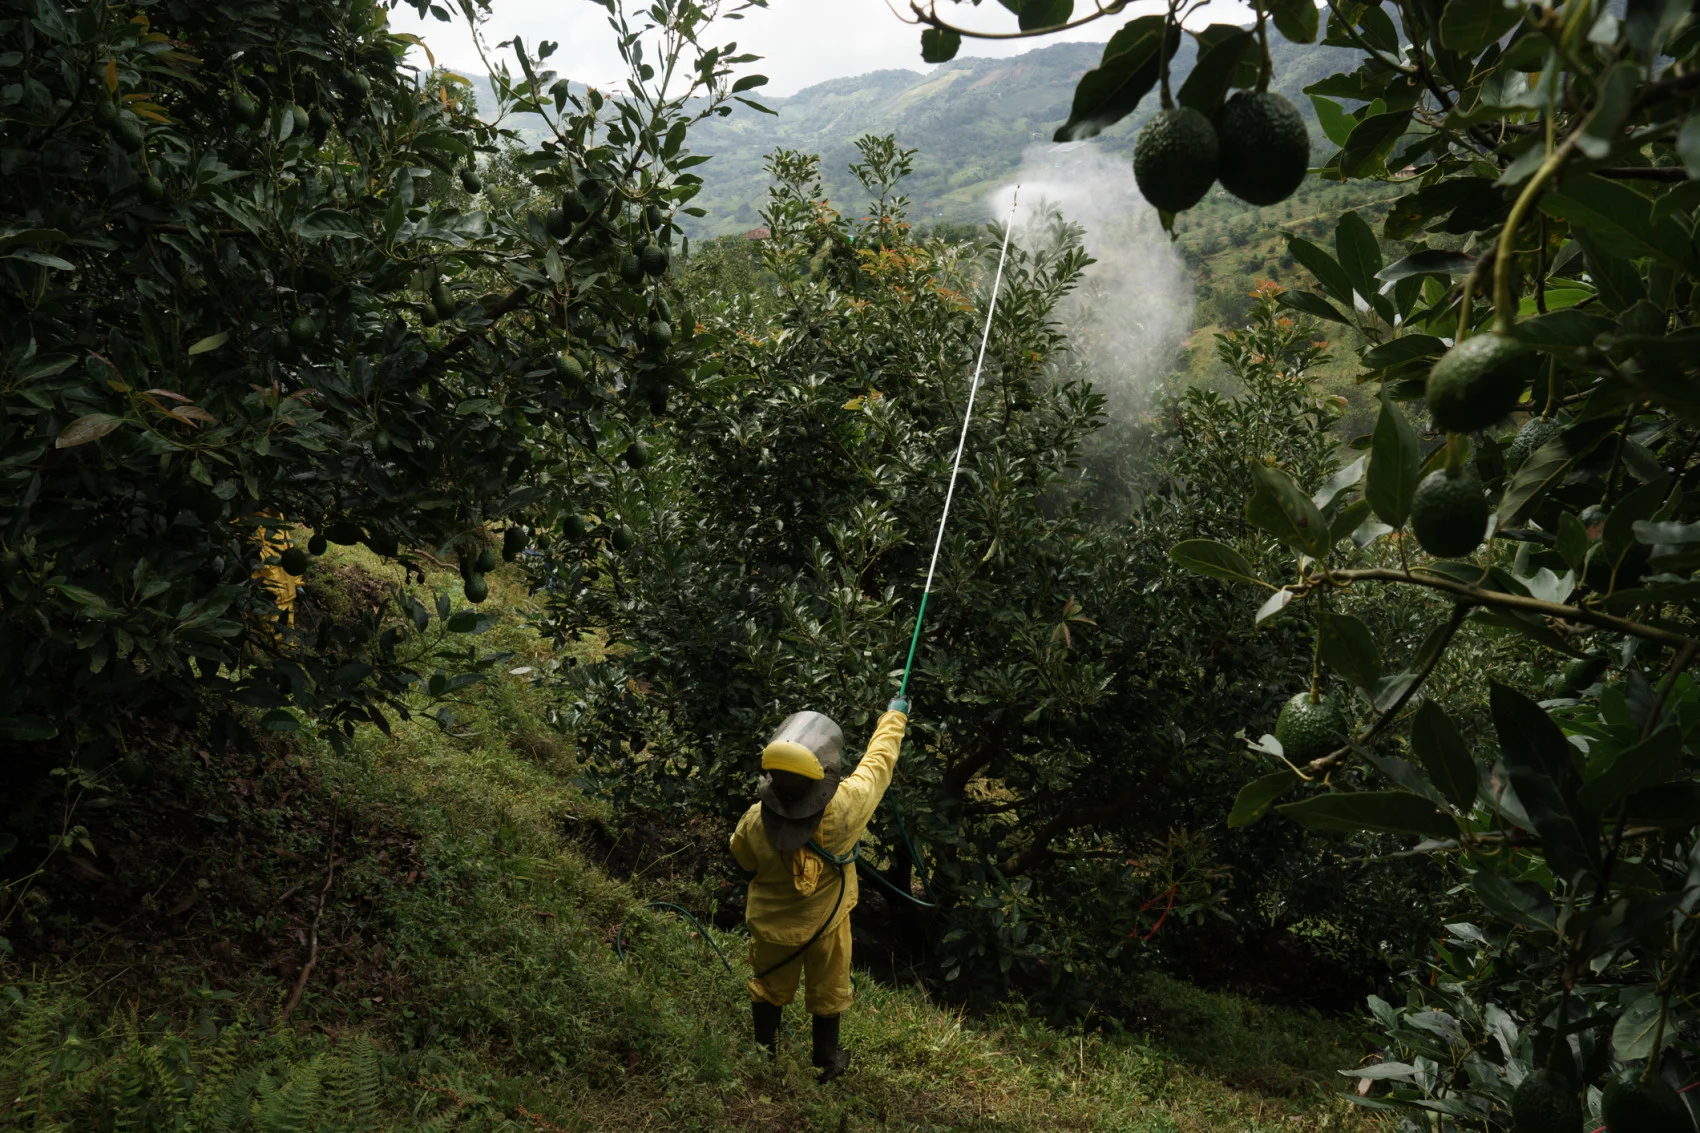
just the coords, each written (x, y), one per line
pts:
(1310, 728)
(301, 330)
(1265, 148)
(475, 588)
(1175, 159)
(660, 333)
(557, 224)
(573, 526)
(128, 133)
(294, 560)
(486, 561)
(624, 538)
(244, 109)
(318, 544)
(576, 208)
(1633, 1106)
(1545, 1103)
(470, 181)
(567, 367)
(1478, 381)
(637, 455)
(443, 299)
(631, 270)
(1449, 513)
(653, 260)
(1536, 433)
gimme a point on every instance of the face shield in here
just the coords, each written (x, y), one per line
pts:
(801, 765)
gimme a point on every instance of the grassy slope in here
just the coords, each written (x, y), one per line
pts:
(467, 977)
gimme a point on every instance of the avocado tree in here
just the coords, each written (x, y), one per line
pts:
(774, 553)
(250, 283)
(1542, 281)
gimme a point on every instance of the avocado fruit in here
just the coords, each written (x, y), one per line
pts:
(1175, 158)
(1449, 513)
(1264, 147)
(1478, 381)
(1310, 727)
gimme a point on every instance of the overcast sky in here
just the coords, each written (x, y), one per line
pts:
(802, 42)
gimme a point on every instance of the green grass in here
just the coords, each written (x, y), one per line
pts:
(468, 980)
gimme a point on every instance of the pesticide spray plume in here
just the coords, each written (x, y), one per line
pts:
(1133, 309)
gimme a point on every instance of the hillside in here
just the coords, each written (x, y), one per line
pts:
(973, 122)
(466, 945)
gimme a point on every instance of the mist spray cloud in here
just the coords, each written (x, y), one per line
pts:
(1134, 307)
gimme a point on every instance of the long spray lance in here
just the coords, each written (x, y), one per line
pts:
(961, 443)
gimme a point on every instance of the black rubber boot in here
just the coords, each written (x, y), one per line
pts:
(767, 1025)
(830, 1058)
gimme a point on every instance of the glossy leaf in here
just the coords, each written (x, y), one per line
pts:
(1467, 26)
(1542, 766)
(1380, 812)
(1444, 755)
(940, 45)
(1395, 463)
(1216, 560)
(1219, 63)
(1128, 70)
(1257, 796)
(1348, 647)
(1279, 507)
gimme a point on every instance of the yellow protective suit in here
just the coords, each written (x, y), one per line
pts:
(792, 894)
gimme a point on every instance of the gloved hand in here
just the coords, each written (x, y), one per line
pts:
(898, 704)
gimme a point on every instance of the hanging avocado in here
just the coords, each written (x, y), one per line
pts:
(573, 526)
(486, 561)
(631, 270)
(475, 588)
(318, 544)
(294, 560)
(470, 181)
(637, 455)
(558, 224)
(443, 299)
(654, 260)
(513, 542)
(624, 538)
(302, 331)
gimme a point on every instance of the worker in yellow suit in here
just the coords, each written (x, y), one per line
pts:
(799, 842)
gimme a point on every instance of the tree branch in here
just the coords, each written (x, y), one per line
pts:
(1498, 598)
(1030, 855)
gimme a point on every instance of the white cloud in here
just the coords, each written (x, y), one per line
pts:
(801, 42)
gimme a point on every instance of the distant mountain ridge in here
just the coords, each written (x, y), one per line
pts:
(970, 120)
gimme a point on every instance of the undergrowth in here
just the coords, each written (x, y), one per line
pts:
(465, 975)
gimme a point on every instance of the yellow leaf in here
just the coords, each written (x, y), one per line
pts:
(407, 37)
(854, 403)
(451, 77)
(112, 75)
(152, 116)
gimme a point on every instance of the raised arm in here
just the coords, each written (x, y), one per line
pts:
(864, 789)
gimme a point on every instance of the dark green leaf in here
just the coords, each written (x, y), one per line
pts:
(1359, 253)
(1217, 560)
(1033, 15)
(1431, 261)
(1332, 117)
(1256, 797)
(940, 45)
(1311, 304)
(1520, 902)
(1656, 759)
(1279, 507)
(1127, 71)
(1563, 329)
(1348, 647)
(1218, 64)
(1295, 19)
(1383, 812)
(1444, 755)
(1406, 348)
(1541, 764)
(1467, 26)
(1371, 141)
(1324, 267)
(27, 728)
